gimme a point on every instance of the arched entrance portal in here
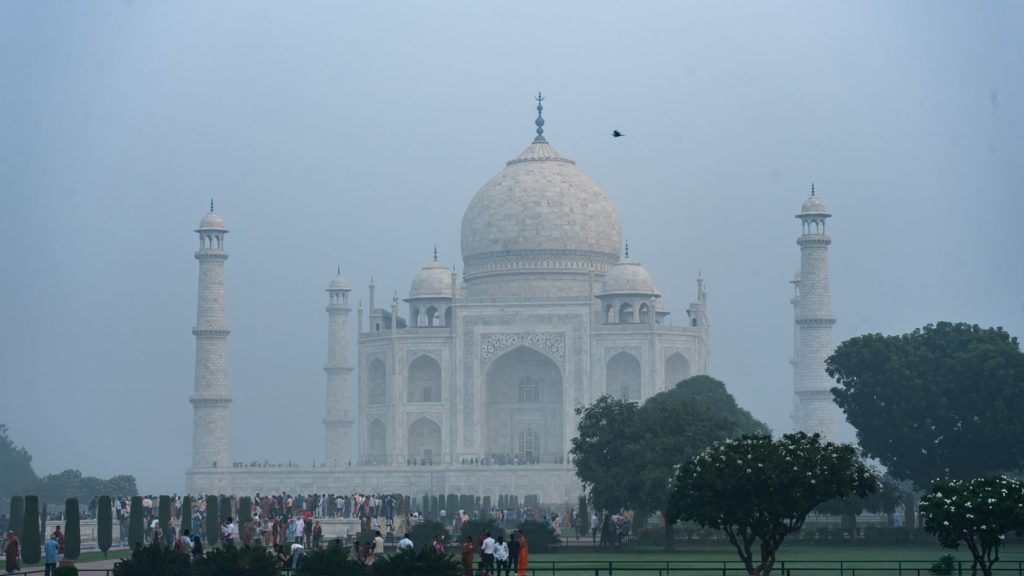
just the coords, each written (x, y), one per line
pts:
(425, 441)
(377, 442)
(677, 369)
(524, 407)
(623, 377)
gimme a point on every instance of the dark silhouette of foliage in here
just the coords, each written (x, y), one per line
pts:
(31, 543)
(540, 537)
(164, 516)
(136, 523)
(212, 520)
(244, 514)
(423, 533)
(333, 560)
(17, 516)
(72, 529)
(18, 476)
(104, 525)
(943, 401)
(154, 560)
(66, 570)
(422, 561)
(235, 561)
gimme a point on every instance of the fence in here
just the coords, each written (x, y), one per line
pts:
(720, 568)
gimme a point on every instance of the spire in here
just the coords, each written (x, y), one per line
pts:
(435, 252)
(627, 249)
(339, 270)
(211, 204)
(812, 188)
(540, 120)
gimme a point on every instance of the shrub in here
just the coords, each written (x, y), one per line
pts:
(104, 525)
(235, 561)
(164, 516)
(474, 528)
(153, 560)
(424, 561)
(244, 515)
(539, 537)
(72, 530)
(30, 541)
(212, 521)
(136, 523)
(66, 570)
(944, 567)
(423, 533)
(186, 514)
(331, 561)
(17, 516)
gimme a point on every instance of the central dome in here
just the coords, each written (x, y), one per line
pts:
(541, 205)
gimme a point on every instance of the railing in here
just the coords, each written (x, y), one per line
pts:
(716, 567)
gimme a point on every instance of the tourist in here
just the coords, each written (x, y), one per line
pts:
(438, 543)
(487, 554)
(594, 525)
(297, 552)
(368, 552)
(405, 543)
(378, 546)
(523, 553)
(467, 557)
(197, 548)
(279, 556)
(318, 534)
(51, 552)
(513, 553)
(157, 536)
(184, 542)
(501, 556)
(59, 537)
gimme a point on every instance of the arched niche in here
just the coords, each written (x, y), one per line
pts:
(424, 440)
(424, 380)
(377, 382)
(524, 390)
(622, 377)
(677, 369)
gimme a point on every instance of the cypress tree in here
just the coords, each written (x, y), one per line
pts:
(17, 515)
(225, 507)
(136, 523)
(42, 521)
(452, 503)
(104, 525)
(164, 516)
(244, 516)
(486, 506)
(72, 530)
(30, 541)
(212, 520)
(186, 514)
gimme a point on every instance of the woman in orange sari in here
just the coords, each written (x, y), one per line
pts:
(523, 552)
(467, 557)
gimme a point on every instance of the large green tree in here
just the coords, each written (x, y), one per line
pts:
(944, 401)
(758, 491)
(625, 453)
(18, 477)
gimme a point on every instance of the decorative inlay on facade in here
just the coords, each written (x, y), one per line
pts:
(538, 260)
(551, 343)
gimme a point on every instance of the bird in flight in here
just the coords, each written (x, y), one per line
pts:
(617, 134)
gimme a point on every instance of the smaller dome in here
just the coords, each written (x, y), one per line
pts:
(212, 221)
(433, 281)
(813, 205)
(628, 277)
(339, 283)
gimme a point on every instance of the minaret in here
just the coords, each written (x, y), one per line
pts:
(815, 410)
(338, 414)
(210, 400)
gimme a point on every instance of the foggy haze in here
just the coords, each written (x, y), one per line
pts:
(354, 135)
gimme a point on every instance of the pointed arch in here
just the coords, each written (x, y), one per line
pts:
(424, 441)
(622, 377)
(524, 389)
(677, 369)
(377, 441)
(424, 380)
(377, 382)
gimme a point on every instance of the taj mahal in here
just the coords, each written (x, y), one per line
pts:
(469, 383)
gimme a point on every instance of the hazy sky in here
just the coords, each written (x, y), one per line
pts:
(355, 135)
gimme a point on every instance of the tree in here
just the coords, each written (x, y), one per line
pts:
(884, 500)
(163, 514)
(104, 525)
(186, 514)
(236, 561)
(625, 453)
(18, 476)
(943, 401)
(17, 516)
(978, 513)
(758, 491)
(244, 514)
(212, 520)
(423, 561)
(30, 541)
(330, 561)
(153, 560)
(136, 523)
(72, 529)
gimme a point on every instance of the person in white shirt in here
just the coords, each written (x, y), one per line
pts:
(501, 556)
(487, 552)
(405, 543)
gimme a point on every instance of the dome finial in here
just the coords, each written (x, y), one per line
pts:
(540, 119)
(627, 249)
(812, 188)
(435, 252)
(211, 204)
(339, 270)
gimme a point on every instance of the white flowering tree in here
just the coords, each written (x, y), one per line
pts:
(978, 513)
(758, 490)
